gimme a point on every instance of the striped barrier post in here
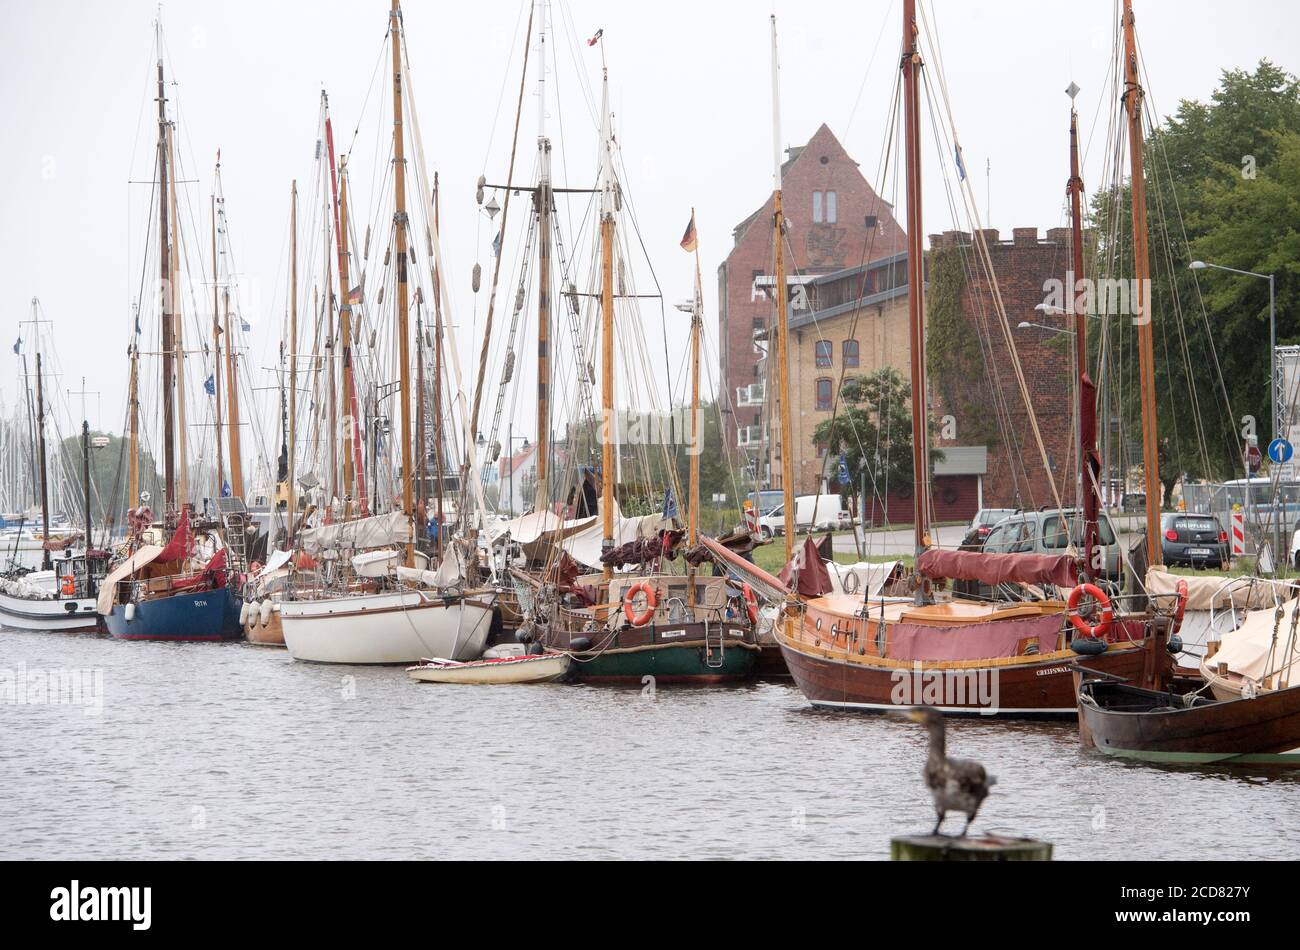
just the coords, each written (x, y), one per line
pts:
(1238, 532)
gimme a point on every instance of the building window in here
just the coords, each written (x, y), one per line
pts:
(823, 352)
(870, 222)
(850, 352)
(817, 207)
(824, 389)
(821, 450)
(830, 207)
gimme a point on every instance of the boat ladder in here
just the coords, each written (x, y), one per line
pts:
(715, 648)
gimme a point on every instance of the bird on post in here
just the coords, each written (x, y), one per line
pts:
(955, 784)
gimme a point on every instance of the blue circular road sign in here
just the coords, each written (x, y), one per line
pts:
(1280, 451)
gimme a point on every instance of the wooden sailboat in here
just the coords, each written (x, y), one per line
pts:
(387, 617)
(674, 627)
(960, 656)
(177, 590)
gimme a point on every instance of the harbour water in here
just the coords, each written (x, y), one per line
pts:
(236, 751)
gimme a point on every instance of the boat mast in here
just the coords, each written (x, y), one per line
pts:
(183, 476)
(327, 304)
(782, 312)
(85, 484)
(133, 414)
(1133, 96)
(232, 396)
(216, 339)
(437, 372)
(697, 325)
(40, 449)
(293, 362)
(353, 473)
(911, 66)
(164, 271)
(543, 197)
(610, 426)
(1089, 460)
(399, 222)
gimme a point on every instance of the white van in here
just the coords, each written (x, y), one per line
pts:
(811, 513)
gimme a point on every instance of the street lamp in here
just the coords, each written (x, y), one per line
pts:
(1025, 325)
(1272, 374)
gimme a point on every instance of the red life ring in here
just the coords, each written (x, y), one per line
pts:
(751, 603)
(1181, 588)
(1107, 615)
(651, 599)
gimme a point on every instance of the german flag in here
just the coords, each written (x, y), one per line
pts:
(689, 238)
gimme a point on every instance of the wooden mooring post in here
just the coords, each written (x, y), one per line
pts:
(972, 848)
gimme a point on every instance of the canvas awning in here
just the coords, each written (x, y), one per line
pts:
(142, 558)
(377, 532)
(1263, 646)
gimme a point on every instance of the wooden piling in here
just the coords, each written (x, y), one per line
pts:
(981, 848)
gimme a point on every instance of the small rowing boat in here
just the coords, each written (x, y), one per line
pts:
(540, 668)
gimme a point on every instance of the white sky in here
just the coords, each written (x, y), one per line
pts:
(690, 88)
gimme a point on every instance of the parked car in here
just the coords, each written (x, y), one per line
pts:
(1041, 532)
(984, 521)
(1195, 540)
(1133, 502)
(811, 512)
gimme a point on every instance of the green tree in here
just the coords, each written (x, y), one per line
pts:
(108, 477)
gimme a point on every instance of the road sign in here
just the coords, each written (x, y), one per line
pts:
(1253, 458)
(1280, 451)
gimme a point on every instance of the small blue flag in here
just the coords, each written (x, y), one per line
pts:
(843, 474)
(496, 245)
(225, 489)
(670, 504)
(209, 386)
(18, 345)
(245, 325)
(961, 166)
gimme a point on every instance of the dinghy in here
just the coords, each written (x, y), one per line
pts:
(541, 668)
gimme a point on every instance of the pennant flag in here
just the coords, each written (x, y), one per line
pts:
(354, 295)
(225, 489)
(18, 345)
(496, 245)
(596, 39)
(961, 166)
(670, 505)
(245, 325)
(689, 242)
(210, 386)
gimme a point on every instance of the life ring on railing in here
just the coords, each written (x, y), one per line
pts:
(69, 586)
(751, 603)
(1107, 615)
(1181, 588)
(643, 618)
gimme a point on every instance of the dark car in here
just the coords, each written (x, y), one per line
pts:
(984, 521)
(1195, 540)
(1133, 502)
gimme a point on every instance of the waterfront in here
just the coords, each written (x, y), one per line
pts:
(236, 751)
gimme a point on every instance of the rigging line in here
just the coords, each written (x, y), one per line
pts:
(505, 78)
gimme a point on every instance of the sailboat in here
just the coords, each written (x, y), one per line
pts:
(61, 595)
(1012, 658)
(173, 583)
(382, 608)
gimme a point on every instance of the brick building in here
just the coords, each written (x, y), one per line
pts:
(835, 222)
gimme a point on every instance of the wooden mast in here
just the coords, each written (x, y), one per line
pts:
(133, 424)
(178, 336)
(399, 223)
(164, 270)
(293, 363)
(437, 373)
(327, 304)
(782, 313)
(40, 450)
(1133, 96)
(911, 66)
(609, 428)
(232, 396)
(543, 197)
(216, 341)
(85, 485)
(351, 470)
(693, 516)
(1089, 460)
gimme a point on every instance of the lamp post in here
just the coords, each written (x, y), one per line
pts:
(1272, 380)
(1025, 325)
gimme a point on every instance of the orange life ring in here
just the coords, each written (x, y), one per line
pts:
(69, 586)
(1107, 615)
(1181, 588)
(751, 603)
(651, 599)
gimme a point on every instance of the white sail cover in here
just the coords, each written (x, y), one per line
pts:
(448, 573)
(535, 526)
(584, 546)
(1251, 651)
(863, 579)
(1212, 591)
(277, 560)
(377, 532)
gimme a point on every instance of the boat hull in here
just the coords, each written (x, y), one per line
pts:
(386, 628)
(269, 634)
(75, 615)
(1260, 731)
(203, 616)
(670, 653)
(546, 668)
(834, 676)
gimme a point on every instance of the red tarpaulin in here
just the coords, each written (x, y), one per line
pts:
(807, 573)
(1058, 569)
(178, 548)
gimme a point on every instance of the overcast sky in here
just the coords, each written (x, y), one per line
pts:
(690, 87)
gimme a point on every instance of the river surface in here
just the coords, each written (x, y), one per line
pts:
(236, 751)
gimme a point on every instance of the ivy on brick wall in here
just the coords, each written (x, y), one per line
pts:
(954, 360)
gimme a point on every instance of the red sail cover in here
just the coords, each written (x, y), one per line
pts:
(1058, 569)
(178, 548)
(807, 573)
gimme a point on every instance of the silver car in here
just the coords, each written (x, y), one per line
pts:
(1041, 532)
